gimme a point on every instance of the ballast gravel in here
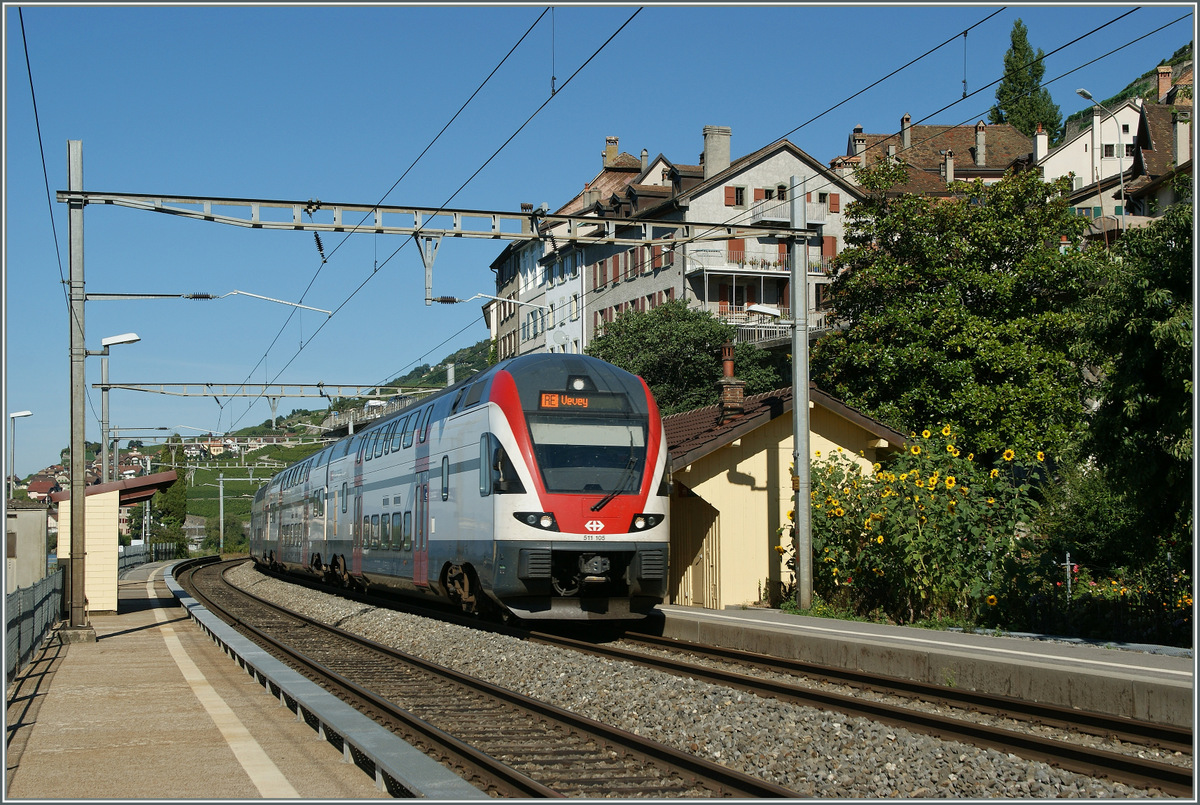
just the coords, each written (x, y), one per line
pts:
(817, 754)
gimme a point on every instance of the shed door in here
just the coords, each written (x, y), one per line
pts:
(695, 545)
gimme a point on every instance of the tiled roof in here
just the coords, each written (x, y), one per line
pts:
(691, 435)
(1002, 145)
(1158, 157)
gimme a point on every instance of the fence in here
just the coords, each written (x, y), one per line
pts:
(31, 612)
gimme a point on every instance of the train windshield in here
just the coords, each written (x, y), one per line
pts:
(587, 454)
(588, 420)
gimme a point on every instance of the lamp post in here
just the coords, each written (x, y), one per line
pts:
(125, 338)
(12, 449)
(1083, 93)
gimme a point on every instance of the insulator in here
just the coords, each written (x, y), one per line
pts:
(320, 248)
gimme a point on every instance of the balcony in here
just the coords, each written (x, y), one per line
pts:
(764, 330)
(753, 261)
(774, 211)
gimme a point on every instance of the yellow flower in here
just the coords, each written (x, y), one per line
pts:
(916, 449)
(950, 449)
(879, 539)
(925, 433)
(779, 549)
(835, 571)
(970, 456)
(991, 601)
(1041, 456)
(1009, 455)
(995, 473)
(839, 512)
(991, 501)
(946, 431)
(817, 453)
(876, 466)
(950, 481)
(920, 482)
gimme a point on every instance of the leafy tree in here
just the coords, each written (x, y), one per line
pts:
(235, 537)
(961, 311)
(1141, 432)
(676, 349)
(1021, 101)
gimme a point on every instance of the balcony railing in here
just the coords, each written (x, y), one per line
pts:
(756, 260)
(780, 212)
(753, 328)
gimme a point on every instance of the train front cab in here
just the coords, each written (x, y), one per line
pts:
(583, 533)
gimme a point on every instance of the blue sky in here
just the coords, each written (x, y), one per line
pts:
(336, 102)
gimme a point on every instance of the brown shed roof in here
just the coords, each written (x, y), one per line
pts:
(132, 490)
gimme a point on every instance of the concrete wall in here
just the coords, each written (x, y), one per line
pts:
(25, 532)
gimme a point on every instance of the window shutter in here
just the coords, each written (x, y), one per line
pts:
(737, 249)
(835, 202)
(783, 253)
(730, 196)
(760, 194)
(657, 259)
(808, 197)
(828, 246)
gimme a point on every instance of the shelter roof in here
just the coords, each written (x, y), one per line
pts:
(132, 490)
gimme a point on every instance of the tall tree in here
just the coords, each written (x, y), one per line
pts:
(676, 349)
(1141, 432)
(961, 310)
(1021, 101)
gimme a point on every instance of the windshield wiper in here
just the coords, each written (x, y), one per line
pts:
(620, 487)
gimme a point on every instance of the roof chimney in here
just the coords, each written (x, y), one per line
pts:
(1182, 120)
(731, 391)
(610, 151)
(860, 141)
(645, 160)
(1164, 81)
(526, 207)
(905, 132)
(980, 145)
(716, 150)
(948, 168)
(1041, 144)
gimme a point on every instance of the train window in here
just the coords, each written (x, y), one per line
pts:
(457, 399)
(385, 532)
(380, 438)
(396, 530)
(411, 428)
(445, 477)
(374, 530)
(387, 438)
(345, 497)
(485, 472)
(407, 533)
(366, 530)
(475, 394)
(359, 439)
(424, 429)
(398, 432)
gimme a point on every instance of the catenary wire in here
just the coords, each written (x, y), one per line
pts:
(455, 193)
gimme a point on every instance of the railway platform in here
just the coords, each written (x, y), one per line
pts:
(1147, 683)
(155, 709)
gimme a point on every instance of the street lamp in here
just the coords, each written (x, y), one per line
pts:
(112, 340)
(12, 449)
(1083, 93)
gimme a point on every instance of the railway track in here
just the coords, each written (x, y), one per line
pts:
(506, 743)
(745, 671)
(1128, 769)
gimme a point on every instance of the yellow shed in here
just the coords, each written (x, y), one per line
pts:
(732, 487)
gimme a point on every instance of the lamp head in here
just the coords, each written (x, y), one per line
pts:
(125, 338)
(1083, 93)
(16, 414)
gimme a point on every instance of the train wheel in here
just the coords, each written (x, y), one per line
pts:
(462, 586)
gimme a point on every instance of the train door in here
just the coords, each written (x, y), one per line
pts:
(357, 526)
(421, 537)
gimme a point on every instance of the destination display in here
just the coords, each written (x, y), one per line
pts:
(581, 401)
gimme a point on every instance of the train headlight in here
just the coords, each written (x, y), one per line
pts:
(643, 521)
(542, 520)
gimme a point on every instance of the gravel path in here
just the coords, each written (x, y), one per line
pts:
(816, 753)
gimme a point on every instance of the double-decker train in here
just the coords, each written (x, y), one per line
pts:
(537, 488)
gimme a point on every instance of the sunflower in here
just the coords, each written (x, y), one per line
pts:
(925, 434)
(995, 473)
(879, 539)
(916, 449)
(1041, 456)
(946, 431)
(839, 512)
(1009, 455)
(950, 482)
(991, 601)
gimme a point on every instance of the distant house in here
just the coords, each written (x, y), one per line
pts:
(732, 488)
(40, 488)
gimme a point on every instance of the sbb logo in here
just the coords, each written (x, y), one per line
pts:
(594, 525)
